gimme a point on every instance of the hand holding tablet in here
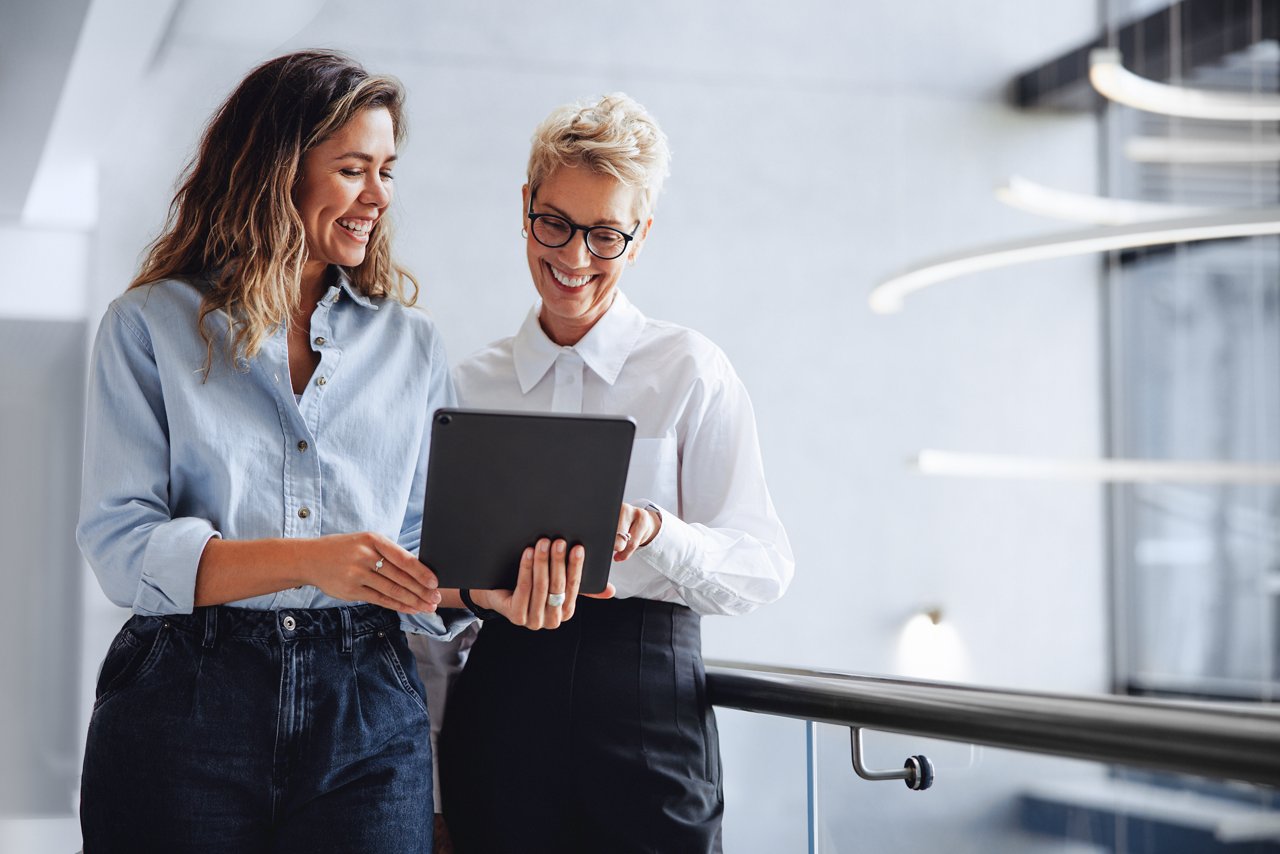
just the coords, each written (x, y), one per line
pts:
(502, 485)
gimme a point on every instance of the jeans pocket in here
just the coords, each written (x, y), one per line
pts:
(131, 655)
(395, 650)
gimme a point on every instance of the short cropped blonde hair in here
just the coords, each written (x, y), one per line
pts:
(613, 135)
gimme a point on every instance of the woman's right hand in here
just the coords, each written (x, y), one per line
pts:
(369, 567)
(545, 568)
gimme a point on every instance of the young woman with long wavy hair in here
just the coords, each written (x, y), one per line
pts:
(258, 418)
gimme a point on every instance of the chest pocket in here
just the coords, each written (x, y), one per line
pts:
(654, 473)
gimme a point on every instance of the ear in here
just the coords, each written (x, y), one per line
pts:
(524, 207)
(638, 243)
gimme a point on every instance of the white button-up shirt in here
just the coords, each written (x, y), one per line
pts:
(721, 548)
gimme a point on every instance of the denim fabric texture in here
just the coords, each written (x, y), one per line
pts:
(246, 731)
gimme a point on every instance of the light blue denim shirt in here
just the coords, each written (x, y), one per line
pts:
(172, 460)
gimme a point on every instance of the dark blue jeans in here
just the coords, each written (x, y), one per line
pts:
(231, 730)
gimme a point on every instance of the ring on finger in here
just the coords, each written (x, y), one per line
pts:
(377, 567)
(626, 536)
(555, 600)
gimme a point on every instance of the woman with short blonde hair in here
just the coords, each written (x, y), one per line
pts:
(599, 737)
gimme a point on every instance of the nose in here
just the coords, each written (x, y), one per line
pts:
(575, 253)
(376, 191)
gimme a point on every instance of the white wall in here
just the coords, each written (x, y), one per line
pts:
(819, 146)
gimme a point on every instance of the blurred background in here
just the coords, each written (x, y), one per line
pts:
(956, 458)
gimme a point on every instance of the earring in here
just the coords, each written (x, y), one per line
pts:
(524, 232)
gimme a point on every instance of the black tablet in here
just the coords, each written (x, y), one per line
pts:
(498, 481)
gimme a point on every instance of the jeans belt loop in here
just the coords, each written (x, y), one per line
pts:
(210, 626)
(347, 630)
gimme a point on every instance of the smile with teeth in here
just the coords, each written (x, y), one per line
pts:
(569, 281)
(358, 227)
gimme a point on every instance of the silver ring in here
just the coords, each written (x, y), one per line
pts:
(377, 567)
(555, 600)
(626, 536)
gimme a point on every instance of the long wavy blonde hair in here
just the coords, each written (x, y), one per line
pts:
(233, 221)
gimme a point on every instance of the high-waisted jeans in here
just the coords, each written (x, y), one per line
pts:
(234, 730)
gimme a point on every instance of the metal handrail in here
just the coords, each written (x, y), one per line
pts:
(1231, 741)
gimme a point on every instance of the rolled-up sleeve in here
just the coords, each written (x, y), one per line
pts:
(726, 552)
(144, 558)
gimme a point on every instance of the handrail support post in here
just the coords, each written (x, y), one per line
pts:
(916, 772)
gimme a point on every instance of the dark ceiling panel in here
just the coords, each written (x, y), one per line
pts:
(1209, 31)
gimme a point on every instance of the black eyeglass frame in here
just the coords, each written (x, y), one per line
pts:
(586, 230)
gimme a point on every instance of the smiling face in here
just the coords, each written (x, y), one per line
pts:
(342, 192)
(577, 287)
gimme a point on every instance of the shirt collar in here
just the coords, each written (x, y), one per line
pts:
(604, 348)
(344, 284)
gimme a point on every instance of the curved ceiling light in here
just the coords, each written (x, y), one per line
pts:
(1160, 149)
(948, 463)
(1112, 80)
(1018, 192)
(887, 296)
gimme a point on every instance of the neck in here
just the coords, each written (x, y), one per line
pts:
(566, 335)
(567, 332)
(316, 277)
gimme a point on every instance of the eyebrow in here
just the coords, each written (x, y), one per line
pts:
(612, 223)
(360, 155)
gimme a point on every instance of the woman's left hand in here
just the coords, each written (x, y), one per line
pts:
(637, 526)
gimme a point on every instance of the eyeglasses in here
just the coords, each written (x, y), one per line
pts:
(604, 242)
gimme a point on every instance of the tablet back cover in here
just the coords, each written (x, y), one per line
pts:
(498, 481)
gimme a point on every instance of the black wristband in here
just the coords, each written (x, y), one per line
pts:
(482, 613)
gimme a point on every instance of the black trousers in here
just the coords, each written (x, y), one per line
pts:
(594, 737)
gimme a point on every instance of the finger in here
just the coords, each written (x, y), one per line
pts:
(608, 593)
(637, 532)
(407, 563)
(624, 524)
(397, 592)
(573, 580)
(384, 593)
(541, 581)
(403, 588)
(373, 597)
(557, 582)
(518, 601)
(398, 576)
(627, 538)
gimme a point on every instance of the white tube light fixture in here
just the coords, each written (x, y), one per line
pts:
(952, 464)
(1116, 83)
(887, 297)
(1021, 193)
(1158, 149)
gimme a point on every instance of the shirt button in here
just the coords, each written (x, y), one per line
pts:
(302, 446)
(320, 341)
(289, 623)
(303, 512)
(321, 381)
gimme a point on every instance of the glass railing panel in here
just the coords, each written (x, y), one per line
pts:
(987, 800)
(765, 793)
